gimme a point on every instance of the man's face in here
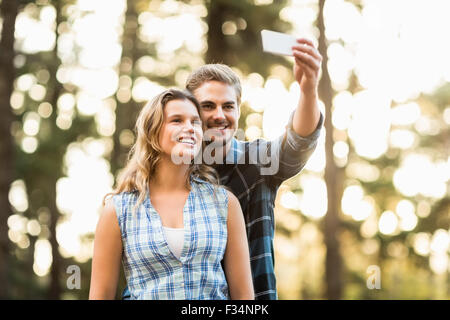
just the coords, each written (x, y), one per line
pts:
(219, 110)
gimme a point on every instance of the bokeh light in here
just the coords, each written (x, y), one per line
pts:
(382, 116)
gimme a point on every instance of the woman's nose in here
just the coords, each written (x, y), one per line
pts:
(188, 126)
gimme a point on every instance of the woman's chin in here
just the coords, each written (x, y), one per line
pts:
(184, 154)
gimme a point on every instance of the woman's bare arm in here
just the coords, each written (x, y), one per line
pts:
(237, 257)
(107, 256)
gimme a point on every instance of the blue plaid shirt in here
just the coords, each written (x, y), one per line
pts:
(151, 269)
(255, 184)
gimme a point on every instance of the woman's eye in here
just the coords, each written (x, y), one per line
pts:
(176, 120)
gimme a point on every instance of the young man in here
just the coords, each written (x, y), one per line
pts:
(254, 170)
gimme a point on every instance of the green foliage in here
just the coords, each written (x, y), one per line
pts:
(243, 49)
(42, 168)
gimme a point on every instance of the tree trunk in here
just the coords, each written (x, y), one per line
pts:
(9, 10)
(333, 178)
(55, 290)
(126, 113)
(217, 47)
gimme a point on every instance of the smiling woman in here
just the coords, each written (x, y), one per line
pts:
(165, 212)
(181, 134)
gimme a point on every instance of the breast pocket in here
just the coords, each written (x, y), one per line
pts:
(144, 246)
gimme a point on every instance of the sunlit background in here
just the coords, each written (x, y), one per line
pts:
(398, 51)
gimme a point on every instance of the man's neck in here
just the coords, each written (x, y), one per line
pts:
(223, 150)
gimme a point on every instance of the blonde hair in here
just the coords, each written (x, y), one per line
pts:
(145, 154)
(214, 72)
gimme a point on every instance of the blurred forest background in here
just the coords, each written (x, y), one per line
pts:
(74, 74)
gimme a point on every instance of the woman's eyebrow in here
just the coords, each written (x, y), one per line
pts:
(177, 115)
(174, 115)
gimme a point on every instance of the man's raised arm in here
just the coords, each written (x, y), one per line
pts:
(306, 72)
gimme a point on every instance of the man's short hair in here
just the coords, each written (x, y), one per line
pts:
(214, 72)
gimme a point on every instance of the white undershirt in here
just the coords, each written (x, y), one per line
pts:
(175, 240)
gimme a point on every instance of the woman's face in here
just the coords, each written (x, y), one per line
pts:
(181, 134)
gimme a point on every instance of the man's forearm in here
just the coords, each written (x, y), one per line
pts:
(307, 114)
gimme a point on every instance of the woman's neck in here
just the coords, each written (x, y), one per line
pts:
(169, 176)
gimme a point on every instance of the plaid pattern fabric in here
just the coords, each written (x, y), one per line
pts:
(151, 269)
(256, 193)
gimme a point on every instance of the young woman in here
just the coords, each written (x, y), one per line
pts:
(168, 221)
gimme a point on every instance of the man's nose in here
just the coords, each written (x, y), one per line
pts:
(218, 114)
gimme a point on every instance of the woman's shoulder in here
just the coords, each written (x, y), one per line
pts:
(205, 185)
(126, 195)
(123, 199)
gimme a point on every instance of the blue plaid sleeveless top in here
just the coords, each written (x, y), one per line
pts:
(151, 269)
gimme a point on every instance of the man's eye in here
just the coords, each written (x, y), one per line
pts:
(207, 106)
(229, 106)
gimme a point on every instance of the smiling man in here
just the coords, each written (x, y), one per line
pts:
(218, 90)
(219, 107)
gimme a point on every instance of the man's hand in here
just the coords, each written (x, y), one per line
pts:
(307, 66)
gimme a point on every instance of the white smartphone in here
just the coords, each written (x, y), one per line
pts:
(277, 42)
